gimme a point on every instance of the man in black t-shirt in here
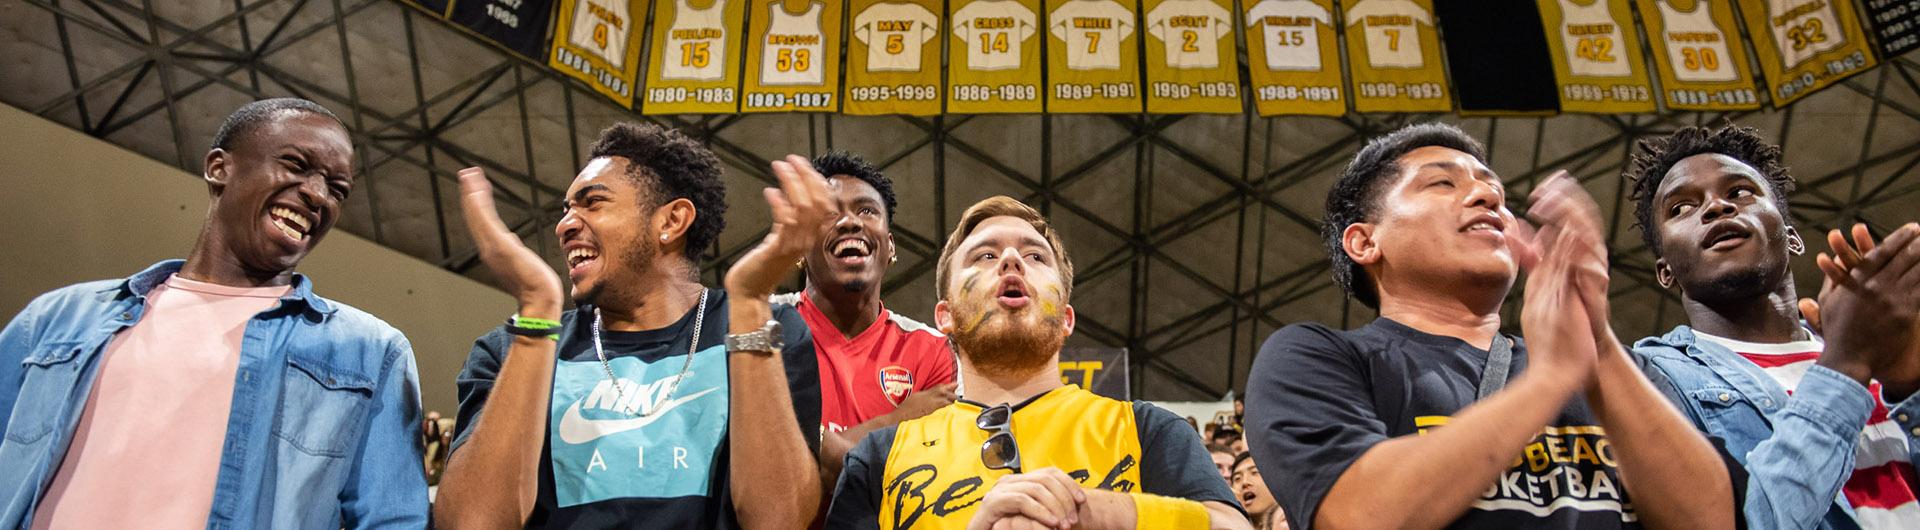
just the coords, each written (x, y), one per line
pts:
(1411, 420)
(656, 402)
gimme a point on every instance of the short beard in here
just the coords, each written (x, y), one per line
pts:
(855, 286)
(1000, 346)
(1738, 286)
(638, 259)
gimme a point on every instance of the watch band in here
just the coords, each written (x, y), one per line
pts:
(766, 339)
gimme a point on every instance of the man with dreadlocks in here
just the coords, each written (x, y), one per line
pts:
(1824, 427)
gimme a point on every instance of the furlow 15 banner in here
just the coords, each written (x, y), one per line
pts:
(597, 42)
(1190, 60)
(1698, 56)
(793, 56)
(1393, 52)
(1805, 45)
(1596, 56)
(993, 60)
(1293, 58)
(893, 58)
(693, 66)
(1093, 63)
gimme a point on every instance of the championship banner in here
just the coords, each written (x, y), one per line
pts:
(1394, 55)
(793, 56)
(517, 25)
(1093, 63)
(691, 68)
(1293, 58)
(597, 42)
(1596, 57)
(1896, 24)
(1102, 371)
(1190, 61)
(893, 58)
(1805, 45)
(993, 59)
(1698, 56)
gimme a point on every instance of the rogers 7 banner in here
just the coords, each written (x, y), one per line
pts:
(1806, 45)
(993, 60)
(793, 56)
(1093, 64)
(893, 58)
(1293, 59)
(693, 67)
(1393, 50)
(1190, 60)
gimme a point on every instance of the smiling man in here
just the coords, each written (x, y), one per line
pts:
(877, 367)
(1412, 420)
(1822, 426)
(218, 391)
(656, 402)
(1022, 449)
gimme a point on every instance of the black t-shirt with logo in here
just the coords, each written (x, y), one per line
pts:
(650, 451)
(1318, 398)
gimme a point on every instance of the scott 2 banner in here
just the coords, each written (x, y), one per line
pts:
(694, 64)
(1393, 51)
(993, 60)
(1190, 61)
(1805, 45)
(1596, 56)
(893, 57)
(793, 56)
(1093, 64)
(1698, 56)
(1293, 58)
(599, 43)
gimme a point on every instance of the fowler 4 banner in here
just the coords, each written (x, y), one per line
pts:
(1596, 56)
(1190, 61)
(993, 59)
(1698, 55)
(693, 66)
(1293, 59)
(793, 56)
(598, 45)
(1093, 63)
(893, 58)
(1394, 54)
(1805, 45)
(1102, 371)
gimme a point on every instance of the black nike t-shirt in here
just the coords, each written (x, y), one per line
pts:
(650, 450)
(1318, 398)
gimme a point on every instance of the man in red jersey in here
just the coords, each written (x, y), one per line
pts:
(877, 367)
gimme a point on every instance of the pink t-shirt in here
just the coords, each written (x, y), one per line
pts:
(147, 449)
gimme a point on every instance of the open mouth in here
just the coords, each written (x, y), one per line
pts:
(1246, 497)
(850, 251)
(1725, 236)
(1486, 223)
(292, 224)
(579, 257)
(1013, 292)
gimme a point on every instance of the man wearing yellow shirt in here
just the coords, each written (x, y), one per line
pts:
(1020, 449)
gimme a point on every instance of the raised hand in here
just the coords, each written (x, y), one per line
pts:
(1564, 306)
(1835, 266)
(1045, 496)
(1869, 314)
(801, 210)
(517, 269)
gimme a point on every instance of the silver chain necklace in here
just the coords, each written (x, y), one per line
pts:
(693, 346)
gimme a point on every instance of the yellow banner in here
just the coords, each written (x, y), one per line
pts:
(1190, 61)
(893, 58)
(1596, 56)
(1805, 45)
(1393, 51)
(693, 67)
(1093, 63)
(1293, 58)
(993, 60)
(596, 41)
(1698, 56)
(793, 56)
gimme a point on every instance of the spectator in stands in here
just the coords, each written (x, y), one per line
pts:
(1222, 460)
(1251, 489)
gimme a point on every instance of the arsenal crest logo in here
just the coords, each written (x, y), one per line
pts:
(895, 382)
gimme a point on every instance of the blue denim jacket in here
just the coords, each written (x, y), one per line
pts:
(1798, 450)
(323, 433)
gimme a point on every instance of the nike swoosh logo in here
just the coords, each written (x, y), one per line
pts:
(576, 429)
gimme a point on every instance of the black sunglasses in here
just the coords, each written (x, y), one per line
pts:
(999, 451)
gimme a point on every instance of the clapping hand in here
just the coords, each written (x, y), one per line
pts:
(517, 269)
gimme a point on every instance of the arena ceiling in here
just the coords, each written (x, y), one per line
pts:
(1194, 236)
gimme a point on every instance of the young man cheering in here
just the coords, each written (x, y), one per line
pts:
(1811, 420)
(1412, 421)
(877, 367)
(656, 401)
(1021, 449)
(218, 391)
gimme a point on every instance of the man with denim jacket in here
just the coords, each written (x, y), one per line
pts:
(218, 391)
(1825, 429)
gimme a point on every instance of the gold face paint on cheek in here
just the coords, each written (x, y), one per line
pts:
(1050, 305)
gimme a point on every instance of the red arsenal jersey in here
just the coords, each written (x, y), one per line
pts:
(867, 375)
